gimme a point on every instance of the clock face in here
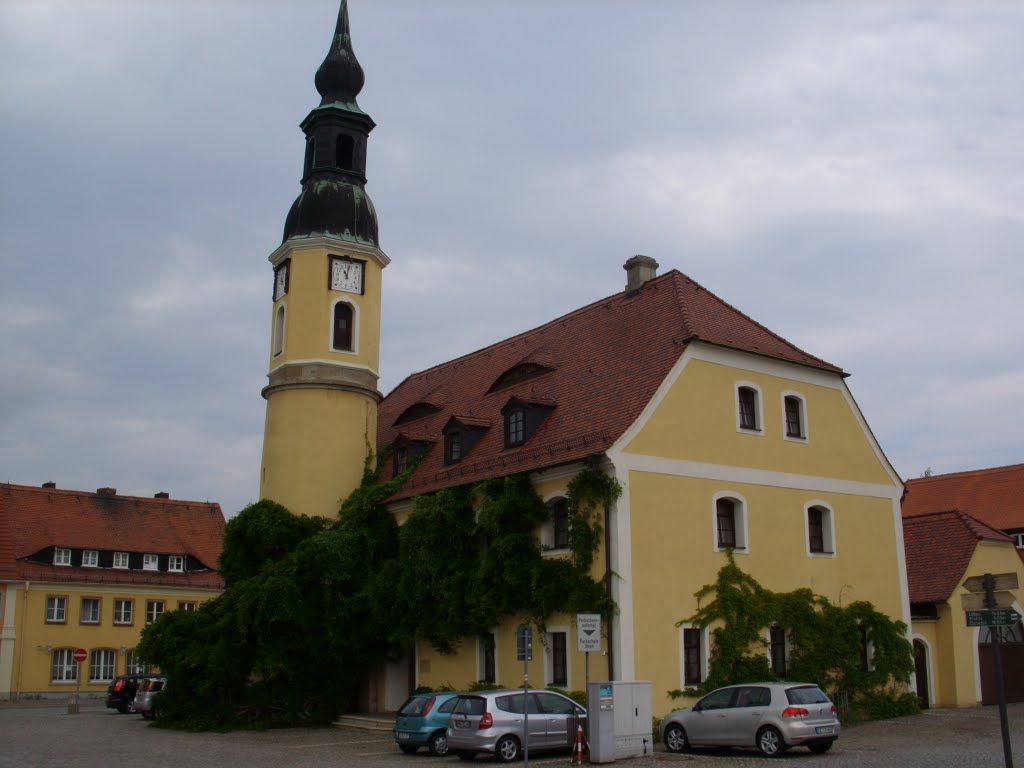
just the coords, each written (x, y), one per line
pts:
(346, 275)
(281, 281)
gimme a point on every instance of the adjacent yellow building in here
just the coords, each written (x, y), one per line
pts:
(88, 571)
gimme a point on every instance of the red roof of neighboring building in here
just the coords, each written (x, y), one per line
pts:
(939, 546)
(596, 368)
(34, 519)
(995, 496)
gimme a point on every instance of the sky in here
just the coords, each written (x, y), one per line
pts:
(848, 173)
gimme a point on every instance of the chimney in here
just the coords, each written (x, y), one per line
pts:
(106, 491)
(162, 495)
(50, 484)
(639, 270)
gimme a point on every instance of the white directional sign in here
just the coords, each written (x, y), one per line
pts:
(588, 632)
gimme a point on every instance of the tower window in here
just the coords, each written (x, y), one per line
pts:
(279, 331)
(345, 156)
(308, 163)
(342, 337)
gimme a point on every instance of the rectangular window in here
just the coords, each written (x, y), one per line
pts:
(815, 530)
(90, 611)
(515, 427)
(693, 663)
(777, 637)
(189, 605)
(65, 670)
(748, 407)
(176, 563)
(453, 448)
(101, 666)
(56, 609)
(794, 420)
(726, 517)
(120, 559)
(153, 610)
(61, 556)
(132, 664)
(150, 562)
(123, 611)
(559, 660)
(488, 670)
(90, 558)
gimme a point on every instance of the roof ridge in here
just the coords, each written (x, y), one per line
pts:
(965, 472)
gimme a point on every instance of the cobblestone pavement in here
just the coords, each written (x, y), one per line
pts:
(43, 735)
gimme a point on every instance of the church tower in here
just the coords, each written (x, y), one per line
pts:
(325, 323)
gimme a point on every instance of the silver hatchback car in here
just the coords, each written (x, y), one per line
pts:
(492, 722)
(770, 716)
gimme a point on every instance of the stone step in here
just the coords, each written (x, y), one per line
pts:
(366, 722)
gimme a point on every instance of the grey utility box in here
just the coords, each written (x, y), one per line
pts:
(619, 715)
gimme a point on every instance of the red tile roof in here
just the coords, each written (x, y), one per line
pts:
(939, 546)
(606, 361)
(33, 519)
(995, 496)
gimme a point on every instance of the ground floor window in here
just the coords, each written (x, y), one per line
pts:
(101, 666)
(65, 669)
(693, 656)
(559, 660)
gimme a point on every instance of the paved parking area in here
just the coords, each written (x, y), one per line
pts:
(38, 735)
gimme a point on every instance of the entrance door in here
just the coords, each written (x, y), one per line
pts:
(921, 672)
(1012, 655)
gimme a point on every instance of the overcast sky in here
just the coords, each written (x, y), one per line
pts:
(849, 174)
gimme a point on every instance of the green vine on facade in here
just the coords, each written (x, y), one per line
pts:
(827, 644)
(310, 603)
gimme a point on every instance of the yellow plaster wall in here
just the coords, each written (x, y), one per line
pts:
(315, 444)
(31, 671)
(696, 421)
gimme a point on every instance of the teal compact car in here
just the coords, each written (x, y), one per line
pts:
(423, 722)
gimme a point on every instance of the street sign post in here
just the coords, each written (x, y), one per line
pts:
(976, 601)
(588, 638)
(999, 581)
(79, 655)
(993, 617)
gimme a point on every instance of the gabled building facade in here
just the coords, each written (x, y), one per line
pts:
(723, 436)
(90, 570)
(958, 526)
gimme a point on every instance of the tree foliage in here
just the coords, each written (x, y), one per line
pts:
(310, 604)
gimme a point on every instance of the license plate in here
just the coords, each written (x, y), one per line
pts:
(403, 737)
(824, 729)
(462, 723)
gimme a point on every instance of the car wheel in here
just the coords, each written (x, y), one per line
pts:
(465, 754)
(438, 744)
(675, 738)
(409, 749)
(821, 746)
(147, 715)
(130, 709)
(770, 742)
(507, 749)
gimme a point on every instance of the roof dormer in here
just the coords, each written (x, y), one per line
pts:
(461, 433)
(522, 418)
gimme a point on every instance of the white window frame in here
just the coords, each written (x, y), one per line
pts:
(1019, 537)
(61, 556)
(187, 605)
(176, 563)
(119, 611)
(355, 327)
(150, 562)
(704, 635)
(549, 664)
(121, 560)
(828, 528)
(90, 558)
(131, 663)
(758, 405)
(547, 529)
(56, 609)
(805, 434)
(102, 663)
(63, 667)
(742, 530)
(81, 610)
(152, 614)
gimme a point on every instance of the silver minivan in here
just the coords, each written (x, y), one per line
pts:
(145, 696)
(492, 722)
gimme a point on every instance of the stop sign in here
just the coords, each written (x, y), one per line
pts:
(79, 655)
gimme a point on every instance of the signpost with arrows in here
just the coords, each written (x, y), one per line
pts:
(588, 638)
(988, 605)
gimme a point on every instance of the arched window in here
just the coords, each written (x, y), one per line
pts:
(730, 523)
(560, 523)
(795, 417)
(345, 152)
(279, 331)
(820, 530)
(342, 338)
(748, 405)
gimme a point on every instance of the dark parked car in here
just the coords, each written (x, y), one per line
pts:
(769, 716)
(121, 692)
(423, 721)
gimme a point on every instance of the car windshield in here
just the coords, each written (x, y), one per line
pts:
(806, 694)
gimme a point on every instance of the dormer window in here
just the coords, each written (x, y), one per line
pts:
(406, 451)
(61, 556)
(518, 373)
(460, 435)
(416, 411)
(522, 419)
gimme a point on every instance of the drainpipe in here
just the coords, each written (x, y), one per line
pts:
(608, 575)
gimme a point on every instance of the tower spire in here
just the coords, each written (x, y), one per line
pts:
(340, 78)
